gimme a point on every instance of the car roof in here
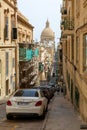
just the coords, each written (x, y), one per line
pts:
(30, 89)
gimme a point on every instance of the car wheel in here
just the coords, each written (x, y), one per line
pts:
(9, 117)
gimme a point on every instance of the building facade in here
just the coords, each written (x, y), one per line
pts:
(59, 71)
(18, 54)
(27, 53)
(74, 40)
(8, 40)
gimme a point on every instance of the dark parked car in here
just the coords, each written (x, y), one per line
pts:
(53, 86)
(46, 91)
(50, 89)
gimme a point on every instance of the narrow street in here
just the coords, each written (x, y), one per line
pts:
(60, 116)
(63, 116)
(43, 49)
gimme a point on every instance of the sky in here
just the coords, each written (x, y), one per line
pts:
(38, 11)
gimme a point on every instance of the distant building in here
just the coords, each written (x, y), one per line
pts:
(47, 48)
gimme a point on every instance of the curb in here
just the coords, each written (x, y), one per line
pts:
(2, 102)
(45, 121)
(83, 126)
(47, 115)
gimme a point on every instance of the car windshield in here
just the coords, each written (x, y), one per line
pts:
(26, 93)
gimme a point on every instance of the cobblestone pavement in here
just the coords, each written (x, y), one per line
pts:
(62, 115)
(2, 111)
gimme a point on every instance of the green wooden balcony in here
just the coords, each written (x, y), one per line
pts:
(27, 54)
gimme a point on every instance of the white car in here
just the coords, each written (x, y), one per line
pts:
(25, 102)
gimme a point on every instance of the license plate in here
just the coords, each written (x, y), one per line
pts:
(23, 103)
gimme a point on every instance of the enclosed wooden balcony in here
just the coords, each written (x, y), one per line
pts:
(68, 27)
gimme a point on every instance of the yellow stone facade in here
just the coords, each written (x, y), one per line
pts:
(8, 19)
(28, 68)
(25, 29)
(74, 45)
(14, 29)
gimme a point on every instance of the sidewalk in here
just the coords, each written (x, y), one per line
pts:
(3, 101)
(62, 116)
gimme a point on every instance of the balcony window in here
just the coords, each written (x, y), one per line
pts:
(0, 66)
(6, 28)
(77, 49)
(12, 25)
(72, 48)
(7, 63)
(13, 62)
(14, 29)
(0, 24)
(22, 53)
(85, 52)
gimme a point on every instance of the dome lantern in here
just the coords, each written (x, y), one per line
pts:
(47, 24)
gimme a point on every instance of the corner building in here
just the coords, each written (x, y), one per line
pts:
(74, 45)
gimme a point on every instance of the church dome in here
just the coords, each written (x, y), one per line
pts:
(47, 34)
